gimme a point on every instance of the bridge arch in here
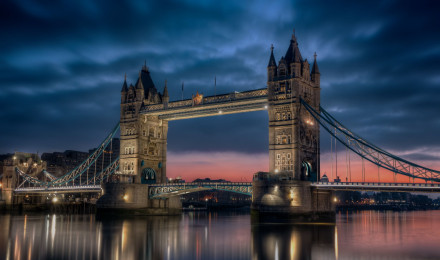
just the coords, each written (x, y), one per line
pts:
(148, 176)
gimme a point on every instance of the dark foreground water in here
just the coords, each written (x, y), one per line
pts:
(201, 235)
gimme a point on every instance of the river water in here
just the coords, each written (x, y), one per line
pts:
(220, 235)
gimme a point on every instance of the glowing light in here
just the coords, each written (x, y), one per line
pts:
(220, 112)
(265, 107)
(1, 185)
(336, 243)
(125, 197)
(35, 164)
(55, 200)
(276, 188)
(335, 199)
(276, 170)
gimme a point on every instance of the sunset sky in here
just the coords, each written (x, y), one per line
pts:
(63, 64)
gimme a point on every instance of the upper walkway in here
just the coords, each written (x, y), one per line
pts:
(199, 106)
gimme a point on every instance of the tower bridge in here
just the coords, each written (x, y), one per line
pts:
(291, 187)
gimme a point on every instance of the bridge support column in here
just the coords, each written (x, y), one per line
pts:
(291, 201)
(132, 199)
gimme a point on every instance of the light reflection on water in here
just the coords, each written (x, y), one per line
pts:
(201, 235)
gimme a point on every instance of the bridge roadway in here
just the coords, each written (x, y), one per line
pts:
(176, 189)
(59, 189)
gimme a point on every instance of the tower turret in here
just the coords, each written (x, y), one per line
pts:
(165, 97)
(124, 90)
(293, 58)
(315, 76)
(272, 66)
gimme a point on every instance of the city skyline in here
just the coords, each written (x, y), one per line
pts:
(379, 75)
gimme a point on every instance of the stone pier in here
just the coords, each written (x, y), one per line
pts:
(132, 199)
(290, 200)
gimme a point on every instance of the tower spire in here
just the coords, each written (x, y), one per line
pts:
(165, 90)
(315, 69)
(272, 58)
(124, 86)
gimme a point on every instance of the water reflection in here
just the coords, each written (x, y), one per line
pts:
(200, 235)
(273, 241)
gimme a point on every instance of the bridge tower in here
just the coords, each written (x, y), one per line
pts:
(286, 190)
(293, 134)
(143, 138)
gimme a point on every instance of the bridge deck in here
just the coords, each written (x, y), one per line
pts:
(59, 189)
(237, 102)
(175, 189)
(377, 186)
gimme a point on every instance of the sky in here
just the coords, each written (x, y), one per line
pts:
(62, 66)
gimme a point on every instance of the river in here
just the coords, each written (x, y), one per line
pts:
(220, 235)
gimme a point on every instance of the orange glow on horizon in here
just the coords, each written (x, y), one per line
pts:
(237, 167)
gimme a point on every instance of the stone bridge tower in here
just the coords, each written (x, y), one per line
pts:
(293, 134)
(143, 138)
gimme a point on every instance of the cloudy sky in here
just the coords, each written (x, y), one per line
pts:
(62, 66)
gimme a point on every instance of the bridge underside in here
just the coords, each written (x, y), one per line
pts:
(248, 101)
(170, 190)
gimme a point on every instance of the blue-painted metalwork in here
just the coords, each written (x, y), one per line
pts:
(368, 150)
(77, 171)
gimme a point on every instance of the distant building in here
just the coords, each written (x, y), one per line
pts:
(29, 163)
(209, 180)
(60, 163)
(178, 179)
(324, 178)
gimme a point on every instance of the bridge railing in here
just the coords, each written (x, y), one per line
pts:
(59, 188)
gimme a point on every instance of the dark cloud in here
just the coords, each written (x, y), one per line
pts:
(62, 66)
